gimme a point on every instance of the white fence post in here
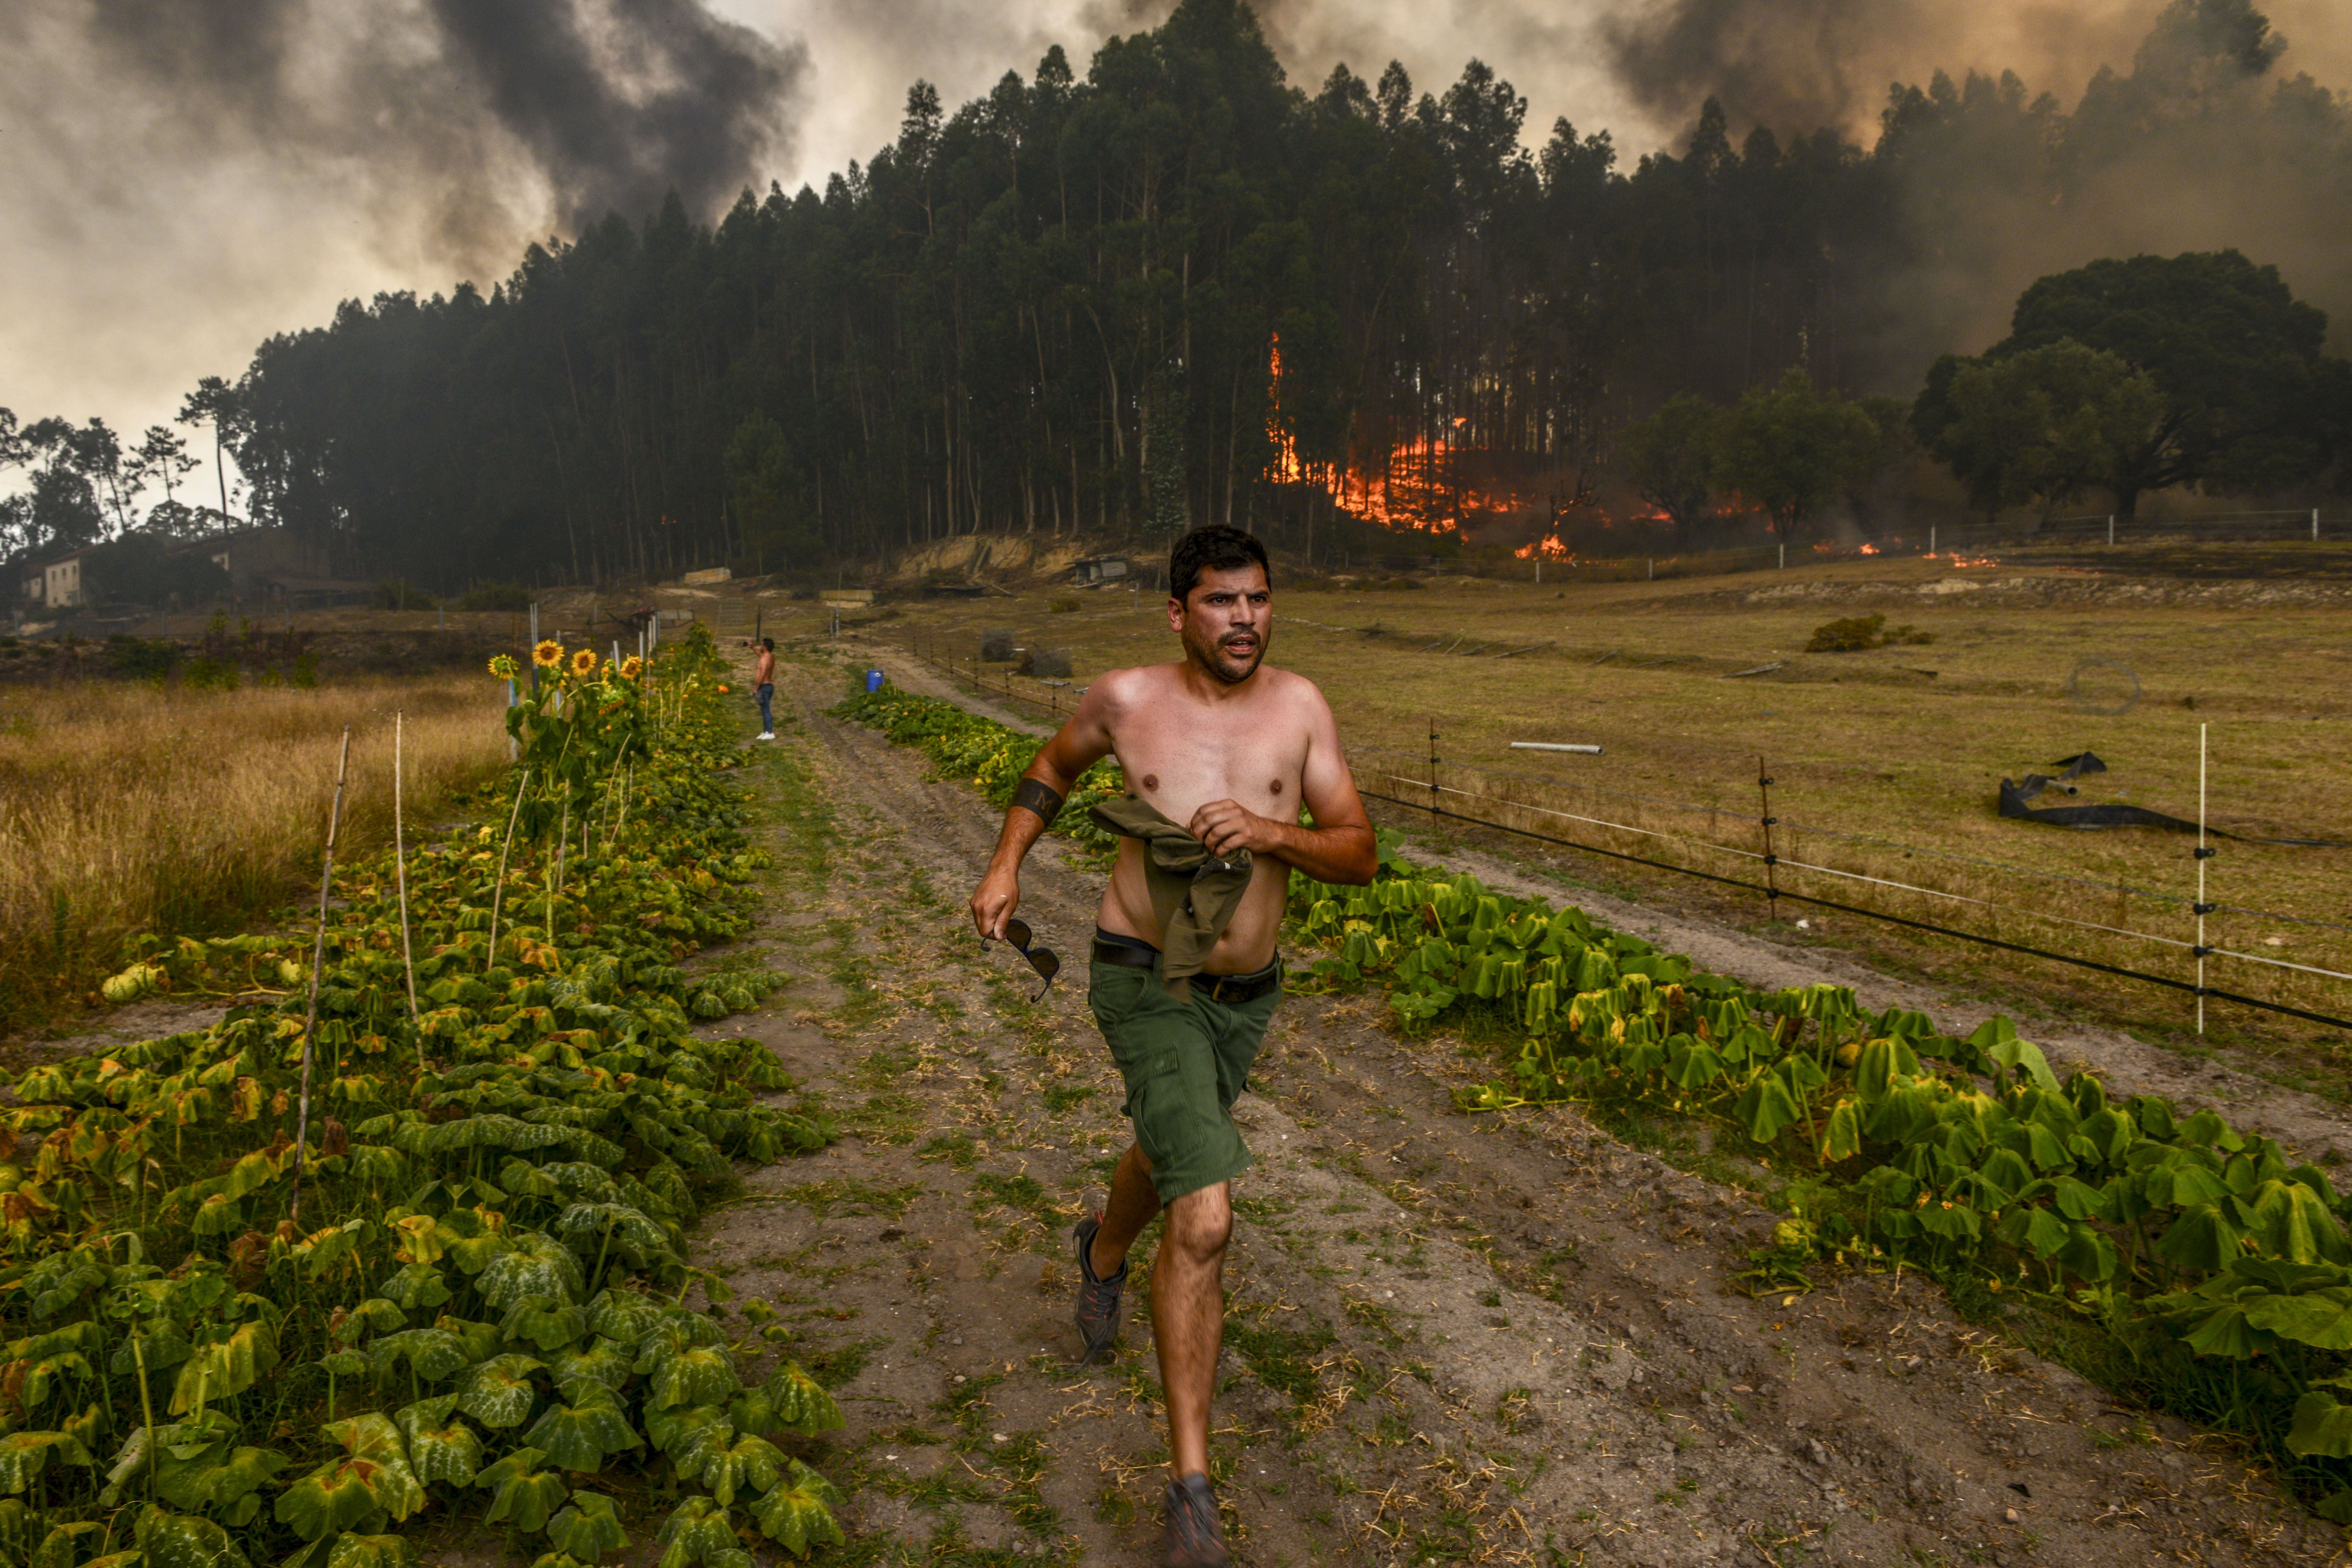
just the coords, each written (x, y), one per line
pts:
(2111, 528)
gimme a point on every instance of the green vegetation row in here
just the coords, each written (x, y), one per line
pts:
(2168, 1256)
(463, 1290)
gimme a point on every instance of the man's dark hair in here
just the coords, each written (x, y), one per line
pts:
(1216, 548)
(767, 643)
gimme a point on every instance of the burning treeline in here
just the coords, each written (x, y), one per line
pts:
(1177, 289)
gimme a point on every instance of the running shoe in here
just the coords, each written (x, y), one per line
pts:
(1196, 1536)
(1098, 1315)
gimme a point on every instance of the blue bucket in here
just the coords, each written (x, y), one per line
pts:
(873, 680)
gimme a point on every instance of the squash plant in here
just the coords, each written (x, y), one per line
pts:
(482, 1298)
(2218, 1272)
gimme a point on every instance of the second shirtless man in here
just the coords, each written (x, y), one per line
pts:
(1219, 753)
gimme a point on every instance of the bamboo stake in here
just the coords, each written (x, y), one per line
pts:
(628, 789)
(555, 872)
(318, 962)
(400, 878)
(497, 893)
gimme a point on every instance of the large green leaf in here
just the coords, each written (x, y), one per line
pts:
(524, 1496)
(372, 1481)
(2320, 1319)
(24, 1454)
(176, 1540)
(624, 1316)
(2290, 1221)
(546, 1323)
(2201, 1236)
(606, 1361)
(440, 1448)
(798, 1515)
(352, 1550)
(1693, 1064)
(587, 1527)
(2321, 1430)
(801, 1402)
(689, 1437)
(1842, 1132)
(751, 1461)
(579, 1437)
(699, 1532)
(224, 1367)
(1764, 1108)
(2034, 1230)
(538, 1265)
(418, 1286)
(432, 1353)
(500, 1392)
(685, 1376)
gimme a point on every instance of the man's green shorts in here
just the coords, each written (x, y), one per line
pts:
(1184, 1063)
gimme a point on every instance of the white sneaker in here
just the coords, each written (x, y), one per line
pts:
(767, 734)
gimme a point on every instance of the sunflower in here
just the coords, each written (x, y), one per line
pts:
(583, 663)
(547, 654)
(503, 666)
(632, 666)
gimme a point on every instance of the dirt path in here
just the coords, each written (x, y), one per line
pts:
(1450, 1339)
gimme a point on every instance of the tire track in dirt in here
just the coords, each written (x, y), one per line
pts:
(1449, 1339)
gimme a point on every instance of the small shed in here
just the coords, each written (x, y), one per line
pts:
(1099, 569)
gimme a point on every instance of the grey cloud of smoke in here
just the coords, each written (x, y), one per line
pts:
(1794, 65)
(181, 178)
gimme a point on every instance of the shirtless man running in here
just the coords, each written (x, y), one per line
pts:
(1229, 749)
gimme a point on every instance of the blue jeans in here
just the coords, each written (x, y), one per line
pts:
(767, 694)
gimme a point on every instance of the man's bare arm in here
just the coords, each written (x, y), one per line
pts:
(1339, 847)
(1048, 779)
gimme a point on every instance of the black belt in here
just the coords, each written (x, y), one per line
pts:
(1233, 990)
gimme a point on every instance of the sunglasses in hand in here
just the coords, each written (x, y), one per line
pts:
(1044, 959)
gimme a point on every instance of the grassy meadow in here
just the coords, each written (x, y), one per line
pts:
(1886, 762)
(125, 807)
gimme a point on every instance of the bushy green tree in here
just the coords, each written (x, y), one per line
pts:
(2046, 424)
(1672, 456)
(1791, 447)
(2247, 399)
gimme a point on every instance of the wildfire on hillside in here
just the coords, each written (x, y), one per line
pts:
(1548, 548)
(1956, 559)
(1416, 486)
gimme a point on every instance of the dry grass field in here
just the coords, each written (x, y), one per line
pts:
(126, 808)
(1886, 762)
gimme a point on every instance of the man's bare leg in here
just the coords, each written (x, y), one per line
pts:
(1130, 1208)
(1188, 1319)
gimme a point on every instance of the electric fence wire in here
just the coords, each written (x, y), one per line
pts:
(2068, 958)
(1858, 875)
(1882, 843)
(1851, 875)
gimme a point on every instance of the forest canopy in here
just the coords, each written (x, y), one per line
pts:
(1063, 304)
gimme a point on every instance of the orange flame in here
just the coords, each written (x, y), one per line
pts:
(1963, 562)
(1549, 548)
(1415, 489)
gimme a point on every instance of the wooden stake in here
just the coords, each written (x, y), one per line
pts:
(318, 962)
(555, 871)
(400, 878)
(497, 893)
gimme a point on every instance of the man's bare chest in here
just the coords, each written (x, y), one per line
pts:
(1180, 768)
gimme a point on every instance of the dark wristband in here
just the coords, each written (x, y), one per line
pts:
(1036, 798)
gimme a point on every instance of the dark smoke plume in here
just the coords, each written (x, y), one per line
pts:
(470, 112)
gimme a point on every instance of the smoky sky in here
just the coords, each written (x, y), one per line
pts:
(471, 111)
(1797, 64)
(180, 179)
